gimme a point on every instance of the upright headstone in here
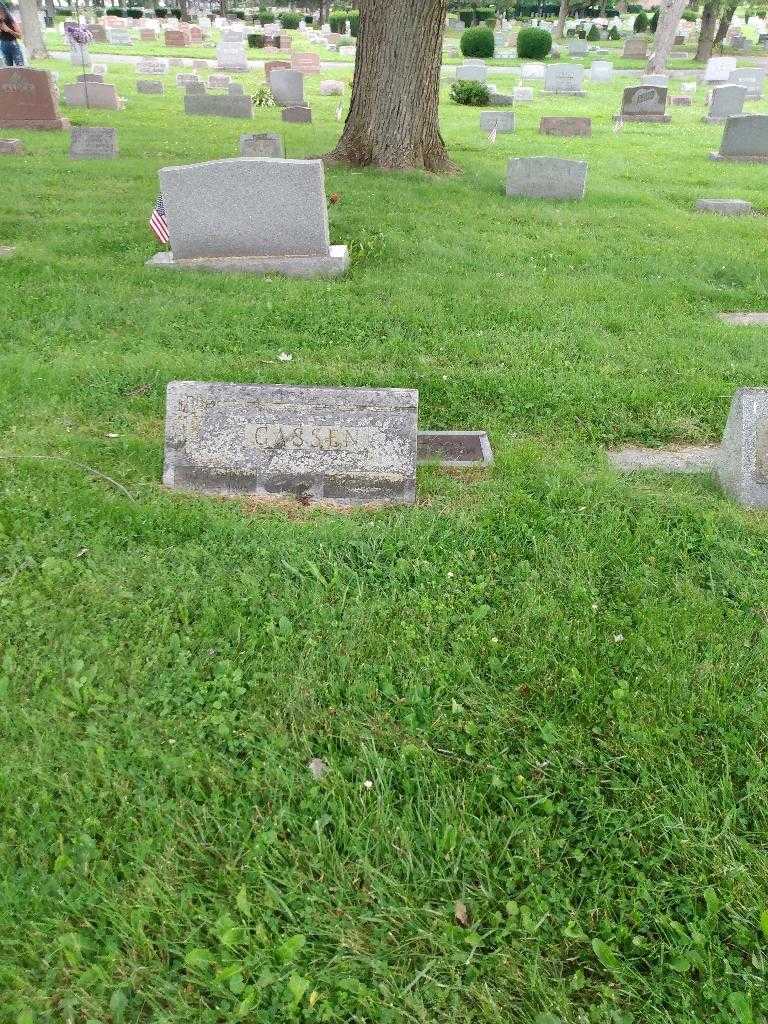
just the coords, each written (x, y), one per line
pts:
(119, 37)
(546, 177)
(719, 69)
(601, 71)
(231, 57)
(345, 446)
(645, 103)
(331, 87)
(471, 73)
(297, 114)
(219, 81)
(28, 100)
(219, 105)
(11, 147)
(502, 121)
(287, 88)
(149, 87)
(661, 80)
(742, 466)
(565, 126)
(564, 79)
(89, 143)
(306, 63)
(175, 37)
(262, 144)
(745, 139)
(751, 78)
(275, 65)
(149, 66)
(635, 48)
(726, 101)
(99, 97)
(532, 72)
(255, 216)
(577, 47)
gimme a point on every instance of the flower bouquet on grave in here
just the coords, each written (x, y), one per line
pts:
(80, 36)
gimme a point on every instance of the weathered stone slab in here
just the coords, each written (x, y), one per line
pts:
(306, 63)
(745, 319)
(98, 97)
(231, 57)
(725, 207)
(679, 459)
(502, 120)
(331, 88)
(263, 144)
(195, 89)
(454, 448)
(577, 47)
(745, 139)
(253, 216)
(546, 177)
(662, 81)
(149, 87)
(217, 105)
(644, 103)
(91, 77)
(636, 47)
(6, 251)
(725, 101)
(532, 72)
(742, 466)
(682, 101)
(275, 65)
(471, 73)
(719, 69)
(187, 78)
(564, 79)
(345, 446)
(522, 94)
(752, 79)
(28, 100)
(297, 115)
(601, 71)
(89, 143)
(175, 37)
(119, 37)
(11, 147)
(565, 126)
(152, 66)
(219, 81)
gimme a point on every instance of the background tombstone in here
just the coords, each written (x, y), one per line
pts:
(545, 177)
(263, 144)
(563, 79)
(149, 87)
(218, 105)
(565, 126)
(89, 143)
(532, 71)
(219, 81)
(306, 63)
(471, 73)
(99, 97)
(297, 115)
(254, 216)
(287, 88)
(11, 147)
(275, 65)
(644, 103)
(175, 37)
(502, 120)
(148, 66)
(726, 100)
(231, 57)
(742, 466)
(331, 87)
(577, 47)
(751, 78)
(745, 139)
(347, 446)
(635, 47)
(195, 89)
(661, 80)
(719, 69)
(28, 100)
(601, 71)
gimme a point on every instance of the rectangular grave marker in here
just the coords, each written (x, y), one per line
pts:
(545, 177)
(742, 466)
(745, 139)
(28, 100)
(89, 143)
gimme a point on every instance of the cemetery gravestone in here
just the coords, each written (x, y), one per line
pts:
(726, 101)
(577, 47)
(254, 216)
(682, 101)
(231, 57)
(346, 446)
(150, 87)
(644, 103)
(565, 126)
(636, 48)
(454, 448)
(522, 94)
(742, 466)
(503, 121)
(725, 207)
(99, 97)
(297, 115)
(264, 144)
(331, 88)
(195, 89)
(544, 177)
(531, 71)
(471, 73)
(287, 88)
(175, 37)
(745, 139)
(661, 80)
(148, 35)
(119, 37)
(601, 71)
(218, 105)
(87, 143)
(275, 65)
(187, 79)
(28, 100)
(11, 147)
(235, 89)
(219, 81)
(90, 77)
(152, 66)
(719, 69)
(563, 79)
(306, 63)
(751, 78)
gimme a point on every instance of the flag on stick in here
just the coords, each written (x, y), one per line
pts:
(492, 135)
(158, 223)
(338, 111)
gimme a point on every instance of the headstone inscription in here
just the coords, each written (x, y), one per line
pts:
(745, 139)
(726, 100)
(149, 87)
(636, 47)
(253, 216)
(742, 466)
(297, 114)
(751, 78)
(287, 87)
(231, 57)
(89, 143)
(28, 100)
(262, 144)
(218, 105)
(565, 126)
(719, 69)
(564, 79)
(100, 97)
(148, 66)
(503, 121)
(345, 446)
(219, 81)
(546, 177)
(644, 103)
(306, 63)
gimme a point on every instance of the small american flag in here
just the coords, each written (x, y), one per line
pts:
(618, 124)
(158, 222)
(492, 135)
(338, 111)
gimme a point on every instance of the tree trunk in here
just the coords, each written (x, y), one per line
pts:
(393, 117)
(725, 24)
(31, 31)
(670, 13)
(707, 32)
(562, 15)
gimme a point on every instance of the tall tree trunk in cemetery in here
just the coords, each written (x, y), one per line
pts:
(562, 15)
(31, 31)
(393, 117)
(725, 24)
(707, 33)
(670, 13)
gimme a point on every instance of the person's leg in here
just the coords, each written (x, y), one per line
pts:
(18, 55)
(5, 45)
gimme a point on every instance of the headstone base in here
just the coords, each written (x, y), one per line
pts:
(713, 120)
(552, 92)
(725, 207)
(57, 125)
(333, 265)
(644, 118)
(455, 449)
(747, 158)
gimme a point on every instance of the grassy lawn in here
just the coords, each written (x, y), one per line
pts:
(540, 692)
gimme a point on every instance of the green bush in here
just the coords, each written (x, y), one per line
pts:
(693, 16)
(116, 12)
(135, 12)
(613, 33)
(467, 17)
(309, 19)
(161, 12)
(239, 15)
(533, 43)
(354, 23)
(653, 24)
(338, 21)
(289, 20)
(641, 22)
(594, 34)
(476, 42)
(256, 41)
(470, 94)
(176, 12)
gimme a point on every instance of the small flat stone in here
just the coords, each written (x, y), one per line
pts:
(11, 147)
(679, 459)
(725, 207)
(7, 250)
(745, 319)
(454, 447)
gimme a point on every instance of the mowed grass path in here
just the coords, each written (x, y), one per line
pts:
(540, 692)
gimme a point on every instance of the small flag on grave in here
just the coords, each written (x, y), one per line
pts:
(492, 135)
(338, 111)
(158, 222)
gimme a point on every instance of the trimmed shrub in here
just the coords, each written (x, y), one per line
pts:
(470, 94)
(533, 43)
(256, 41)
(289, 20)
(467, 17)
(161, 12)
(653, 24)
(613, 34)
(176, 12)
(116, 12)
(476, 42)
(239, 15)
(693, 15)
(594, 34)
(641, 22)
(338, 21)
(265, 19)
(354, 23)
(135, 12)
(309, 19)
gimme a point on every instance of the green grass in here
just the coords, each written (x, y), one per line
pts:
(553, 678)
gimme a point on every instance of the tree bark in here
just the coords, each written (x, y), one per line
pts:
(670, 13)
(707, 32)
(31, 31)
(393, 116)
(725, 24)
(562, 15)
